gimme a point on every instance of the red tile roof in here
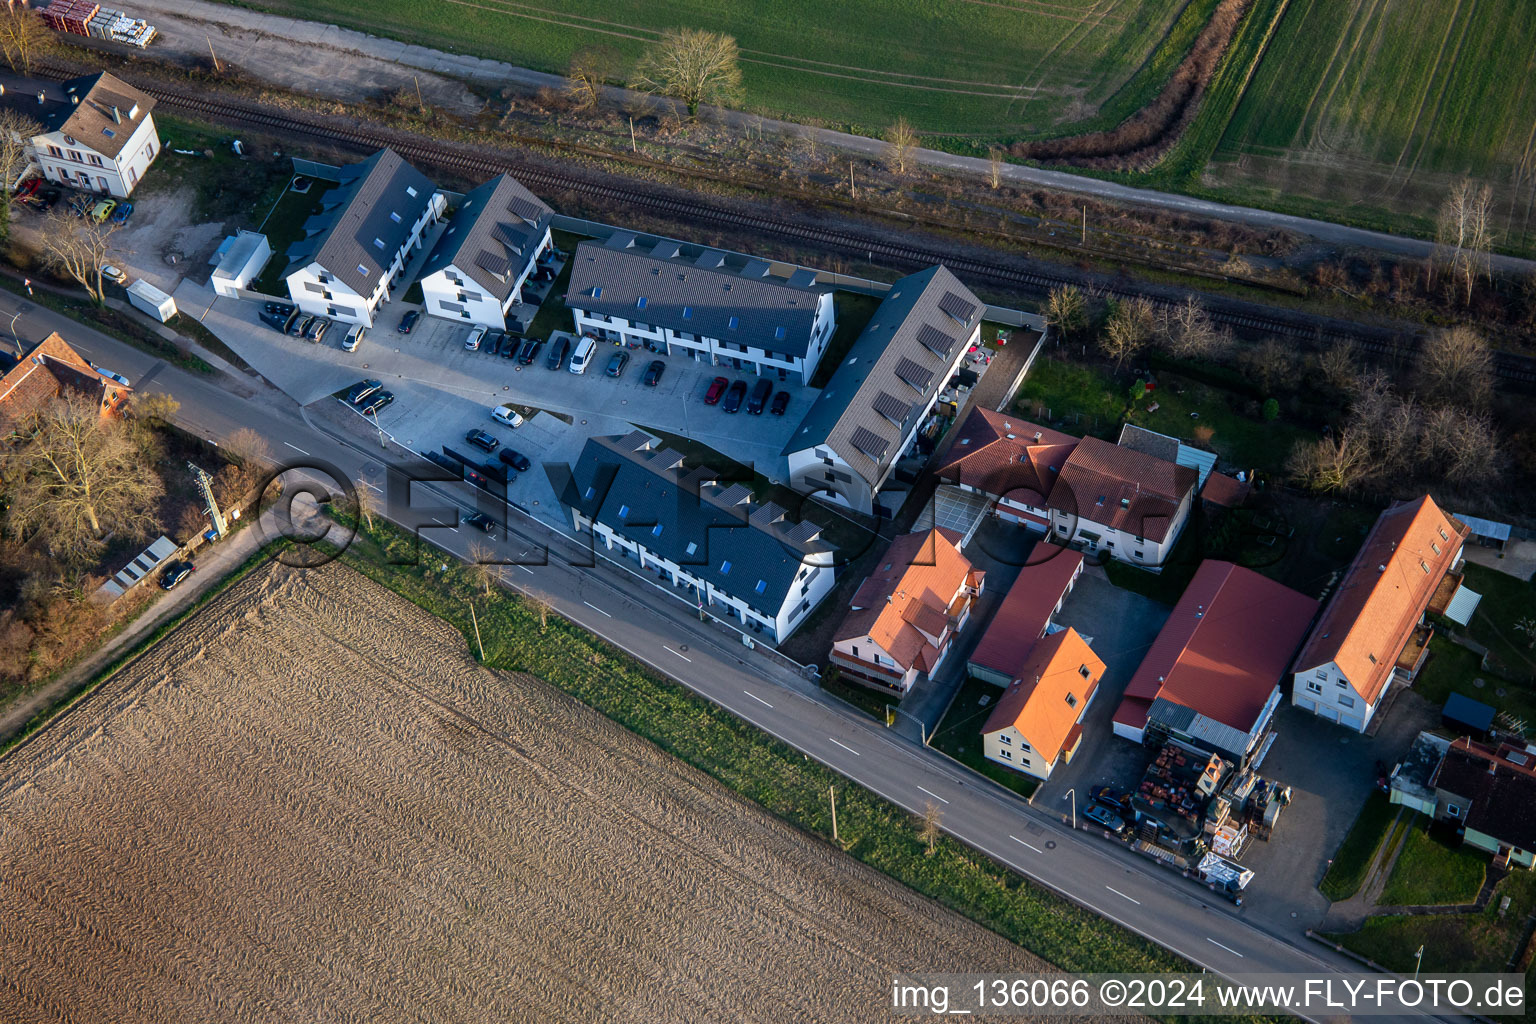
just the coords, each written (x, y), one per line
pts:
(1025, 611)
(1383, 596)
(924, 569)
(1224, 490)
(46, 371)
(1225, 647)
(1004, 455)
(1037, 702)
(1122, 489)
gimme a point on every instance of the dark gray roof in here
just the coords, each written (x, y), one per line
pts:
(894, 367)
(695, 295)
(81, 107)
(371, 202)
(492, 235)
(705, 524)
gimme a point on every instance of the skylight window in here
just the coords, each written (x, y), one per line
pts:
(762, 585)
(394, 217)
(590, 492)
(692, 547)
(597, 292)
(656, 530)
(109, 133)
(410, 191)
(362, 270)
(778, 334)
(734, 321)
(378, 243)
(687, 312)
(640, 302)
(623, 511)
(725, 568)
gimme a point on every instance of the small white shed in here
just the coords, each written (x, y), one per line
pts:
(151, 300)
(240, 260)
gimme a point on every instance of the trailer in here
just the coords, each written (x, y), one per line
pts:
(1224, 876)
(151, 300)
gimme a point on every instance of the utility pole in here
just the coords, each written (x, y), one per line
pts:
(853, 190)
(419, 101)
(215, 56)
(633, 148)
(380, 429)
(205, 484)
(1085, 224)
(475, 619)
(832, 792)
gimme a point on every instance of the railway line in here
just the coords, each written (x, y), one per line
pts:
(1514, 372)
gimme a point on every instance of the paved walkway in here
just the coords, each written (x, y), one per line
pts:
(267, 50)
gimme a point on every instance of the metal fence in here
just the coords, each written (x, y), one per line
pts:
(316, 169)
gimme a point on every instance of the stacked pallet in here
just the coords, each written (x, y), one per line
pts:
(72, 16)
(87, 18)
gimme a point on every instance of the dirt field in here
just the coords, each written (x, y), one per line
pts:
(311, 804)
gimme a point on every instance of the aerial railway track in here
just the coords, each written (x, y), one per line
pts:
(1515, 372)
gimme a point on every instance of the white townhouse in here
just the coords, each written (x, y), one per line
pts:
(354, 251)
(1121, 502)
(99, 135)
(744, 318)
(867, 416)
(493, 241)
(704, 537)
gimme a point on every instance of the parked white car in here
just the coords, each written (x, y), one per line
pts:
(476, 336)
(506, 414)
(113, 274)
(353, 339)
(582, 357)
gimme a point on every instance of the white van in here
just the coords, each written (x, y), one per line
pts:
(353, 339)
(582, 357)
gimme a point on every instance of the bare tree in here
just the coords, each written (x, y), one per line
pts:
(1456, 367)
(246, 447)
(693, 66)
(154, 407)
(1129, 326)
(539, 607)
(1337, 365)
(1066, 309)
(1188, 332)
(591, 68)
(1269, 363)
(483, 568)
(363, 495)
(1464, 235)
(23, 38)
(995, 167)
(901, 144)
(17, 131)
(1331, 464)
(78, 246)
(73, 476)
(932, 826)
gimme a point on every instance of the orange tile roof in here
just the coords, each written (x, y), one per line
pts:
(1026, 610)
(1224, 648)
(1122, 488)
(44, 372)
(923, 569)
(1382, 597)
(1036, 703)
(1004, 455)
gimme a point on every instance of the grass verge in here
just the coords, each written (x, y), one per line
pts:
(959, 736)
(110, 322)
(1353, 858)
(1432, 872)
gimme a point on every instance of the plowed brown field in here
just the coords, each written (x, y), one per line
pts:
(310, 804)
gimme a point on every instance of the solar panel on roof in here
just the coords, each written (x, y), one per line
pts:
(735, 494)
(934, 340)
(804, 531)
(509, 237)
(492, 263)
(768, 513)
(869, 442)
(913, 374)
(957, 307)
(523, 208)
(891, 407)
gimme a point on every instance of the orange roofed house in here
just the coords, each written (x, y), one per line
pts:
(1039, 719)
(47, 372)
(904, 616)
(1372, 630)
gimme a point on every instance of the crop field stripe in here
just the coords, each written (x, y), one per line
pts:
(1440, 95)
(1330, 75)
(1429, 87)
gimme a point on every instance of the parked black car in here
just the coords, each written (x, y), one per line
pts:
(530, 350)
(439, 459)
(516, 459)
(375, 405)
(362, 389)
(482, 522)
(513, 345)
(175, 573)
(1101, 815)
(760, 392)
(300, 324)
(617, 363)
(733, 396)
(408, 321)
(780, 403)
(653, 373)
(480, 439)
(558, 350)
(496, 471)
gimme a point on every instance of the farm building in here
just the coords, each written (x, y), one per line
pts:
(493, 241)
(1025, 613)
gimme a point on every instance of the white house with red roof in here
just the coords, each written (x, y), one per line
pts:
(1038, 721)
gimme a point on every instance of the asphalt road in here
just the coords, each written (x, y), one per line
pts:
(616, 604)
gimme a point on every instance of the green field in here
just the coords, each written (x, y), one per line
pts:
(996, 69)
(1377, 105)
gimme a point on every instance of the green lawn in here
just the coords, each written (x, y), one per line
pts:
(1506, 602)
(1228, 423)
(959, 736)
(283, 226)
(1353, 858)
(553, 315)
(853, 311)
(1082, 399)
(1433, 869)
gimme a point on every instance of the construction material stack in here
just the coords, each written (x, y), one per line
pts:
(72, 16)
(87, 18)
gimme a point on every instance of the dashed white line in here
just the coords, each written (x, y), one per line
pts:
(934, 795)
(755, 697)
(1023, 843)
(683, 656)
(379, 489)
(1229, 949)
(296, 448)
(595, 608)
(1122, 895)
(526, 569)
(845, 746)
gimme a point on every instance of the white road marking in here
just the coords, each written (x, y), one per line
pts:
(845, 746)
(755, 697)
(1023, 843)
(379, 489)
(296, 448)
(595, 608)
(1122, 895)
(934, 795)
(683, 656)
(1229, 949)
(526, 569)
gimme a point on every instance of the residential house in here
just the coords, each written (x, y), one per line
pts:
(1372, 631)
(1213, 677)
(354, 252)
(98, 133)
(1012, 461)
(1025, 613)
(493, 241)
(1489, 793)
(50, 370)
(703, 537)
(1122, 502)
(1038, 721)
(740, 317)
(869, 414)
(906, 614)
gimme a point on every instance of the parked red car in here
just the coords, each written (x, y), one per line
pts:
(716, 389)
(26, 189)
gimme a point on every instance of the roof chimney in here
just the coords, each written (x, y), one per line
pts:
(117, 115)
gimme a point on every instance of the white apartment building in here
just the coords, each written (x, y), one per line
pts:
(477, 269)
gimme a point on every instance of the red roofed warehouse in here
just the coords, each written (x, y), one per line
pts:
(1372, 631)
(1039, 720)
(1213, 676)
(47, 372)
(1027, 609)
(905, 615)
